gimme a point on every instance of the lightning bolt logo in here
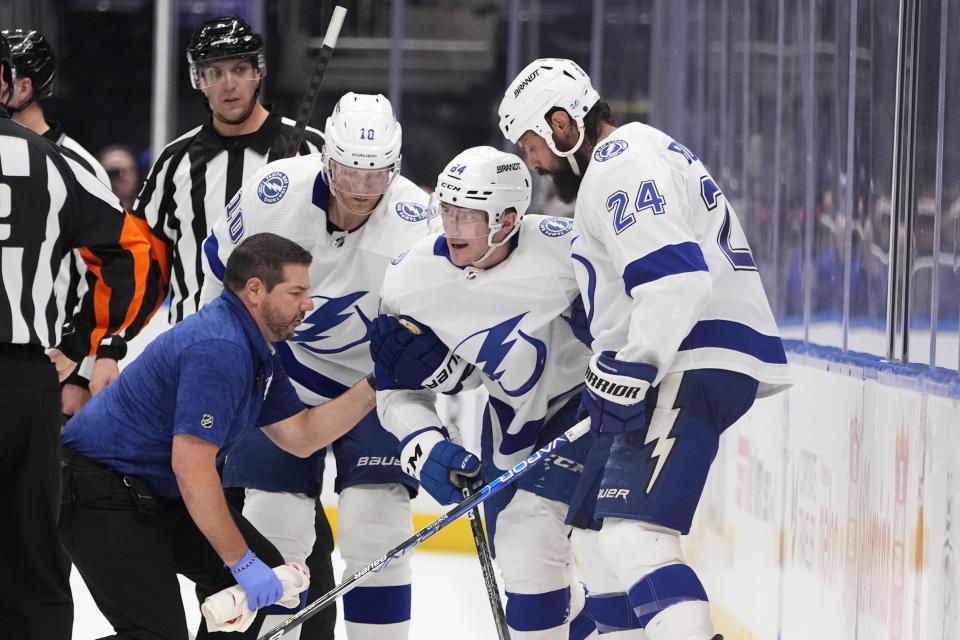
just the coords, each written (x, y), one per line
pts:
(659, 432)
(326, 320)
(497, 344)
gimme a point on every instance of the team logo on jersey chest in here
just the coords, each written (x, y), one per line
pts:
(556, 227)
(273, 187)
(609, 150)
(411, 211)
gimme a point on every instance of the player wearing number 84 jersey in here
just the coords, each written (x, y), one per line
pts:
(682, 334)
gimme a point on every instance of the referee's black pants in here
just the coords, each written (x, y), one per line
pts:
(130, 557)
(35, 601)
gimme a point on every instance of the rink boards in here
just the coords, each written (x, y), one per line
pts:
(833, 510)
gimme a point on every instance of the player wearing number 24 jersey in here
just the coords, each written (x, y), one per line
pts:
(682, 336)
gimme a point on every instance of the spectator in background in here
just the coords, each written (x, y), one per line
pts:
(121, 165)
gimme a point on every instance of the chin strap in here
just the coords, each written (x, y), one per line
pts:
(493, 246)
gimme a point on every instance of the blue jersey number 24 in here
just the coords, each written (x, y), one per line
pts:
(648, 197)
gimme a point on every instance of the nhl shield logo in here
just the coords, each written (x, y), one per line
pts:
(609, 150)
(273, 187)
(206, 421)
(556, 227)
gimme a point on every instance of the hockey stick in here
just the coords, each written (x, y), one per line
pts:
(476, 528)
(477, 498)
(313, 88)
(486, 568)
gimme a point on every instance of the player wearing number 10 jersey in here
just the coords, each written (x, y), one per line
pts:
(682, 336)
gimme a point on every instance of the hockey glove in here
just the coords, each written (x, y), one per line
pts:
(258, 580)
(442, 467)
(614, 393)
(407, 355)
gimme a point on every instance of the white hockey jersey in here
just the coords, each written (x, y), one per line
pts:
(329, 351)
(667, 276)
(505, 320)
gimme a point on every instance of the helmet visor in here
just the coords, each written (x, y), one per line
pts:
(360, 182)
(461, 223)
(210, 73)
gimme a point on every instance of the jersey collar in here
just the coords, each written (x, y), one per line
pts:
(260, 140)
(55, 133)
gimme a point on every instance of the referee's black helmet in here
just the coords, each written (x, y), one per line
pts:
(33, 58)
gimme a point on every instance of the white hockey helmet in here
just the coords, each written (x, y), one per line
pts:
(363, 133)
(487, 179)
(542, 86)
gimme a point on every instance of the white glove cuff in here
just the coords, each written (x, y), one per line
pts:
(446, 378)
(417, 449)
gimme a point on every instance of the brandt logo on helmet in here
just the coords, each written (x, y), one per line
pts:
(526, 81)
(411, 211)
(609, 150)
(273, 187)
(206, 421)
(556, 227)
(513, 166)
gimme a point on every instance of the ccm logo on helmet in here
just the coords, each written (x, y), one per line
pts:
(526, 81)
(611, 388)
(447, 185)
(513, 166)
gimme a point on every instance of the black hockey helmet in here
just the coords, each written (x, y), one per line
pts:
(33, 58)
(6, 59)
(222, 38)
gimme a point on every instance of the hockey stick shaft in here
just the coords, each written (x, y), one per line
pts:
(474, 500)
(313, 87)
(486, 568)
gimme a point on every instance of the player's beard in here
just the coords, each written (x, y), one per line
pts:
(280, 325)
(566, 182)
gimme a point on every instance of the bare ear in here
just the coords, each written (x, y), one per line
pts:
(254, 288)
(560, 121)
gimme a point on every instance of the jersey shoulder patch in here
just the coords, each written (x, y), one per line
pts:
(411, 211)
(609, 150)
(555, 227)
(273, 187)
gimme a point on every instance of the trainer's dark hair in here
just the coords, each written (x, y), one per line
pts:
(262, 255)
(599, 114)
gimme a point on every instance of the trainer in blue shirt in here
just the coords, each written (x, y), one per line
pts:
(143, 499)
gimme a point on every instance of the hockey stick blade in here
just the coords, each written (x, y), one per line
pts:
(313, 87)
(477, 498)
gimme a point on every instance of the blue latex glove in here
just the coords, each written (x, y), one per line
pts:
(258, 580)
(614, 393)
(409, 355)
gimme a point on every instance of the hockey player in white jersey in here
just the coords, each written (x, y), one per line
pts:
(682, 334)
(487, 303)
(354, 212)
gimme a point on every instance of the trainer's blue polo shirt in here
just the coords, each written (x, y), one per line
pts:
(212, 376)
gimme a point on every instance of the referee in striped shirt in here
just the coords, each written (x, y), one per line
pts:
(49, 205)
(35, 65)
(195, 176)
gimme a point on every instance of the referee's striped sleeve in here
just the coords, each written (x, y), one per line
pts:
(117, 256)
